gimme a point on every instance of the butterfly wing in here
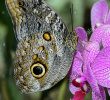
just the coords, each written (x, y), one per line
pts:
(34, 16)
(41, 38)
(101, 67)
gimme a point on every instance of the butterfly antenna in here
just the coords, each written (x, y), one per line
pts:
(71, 15)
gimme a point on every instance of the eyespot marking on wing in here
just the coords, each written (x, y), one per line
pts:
(38, 70)
(34, 56)
(47, 36)
(41, 48)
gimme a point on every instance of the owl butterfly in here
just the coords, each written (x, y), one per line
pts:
(43, 54)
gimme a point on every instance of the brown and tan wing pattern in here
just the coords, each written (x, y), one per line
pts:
(43, 57)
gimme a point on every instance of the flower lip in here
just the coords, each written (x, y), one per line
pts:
(82, 84)
(85, 87)
(78, 81)
(75, 83)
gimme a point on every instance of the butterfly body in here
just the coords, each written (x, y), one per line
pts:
(43, 57)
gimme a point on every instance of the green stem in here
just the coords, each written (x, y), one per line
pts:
(62, 91)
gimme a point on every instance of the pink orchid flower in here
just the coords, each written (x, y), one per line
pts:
(82, 78)
(90, 69)
(100, 20)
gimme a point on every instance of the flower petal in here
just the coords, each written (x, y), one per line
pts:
(101, 67)
(80, 46)
(90, 52)
(98, 92)
(94, 96)
(82, 36)
(97, 35)
(92, 81)
(108, 18)
(76, 66)
(99, 13)
(97, 97)
(75, 71)
(81, 33)
(72, 88)
(79, 95)
(102, 35)
(106, 36)
(102, 91)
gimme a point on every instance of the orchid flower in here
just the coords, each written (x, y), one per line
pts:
(100, 21)
(82, 78)
(90, 69)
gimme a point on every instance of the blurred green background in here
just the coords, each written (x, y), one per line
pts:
(8, 89)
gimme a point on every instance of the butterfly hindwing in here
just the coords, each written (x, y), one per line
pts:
(43, 56)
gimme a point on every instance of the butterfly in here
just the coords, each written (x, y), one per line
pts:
(44, 45)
